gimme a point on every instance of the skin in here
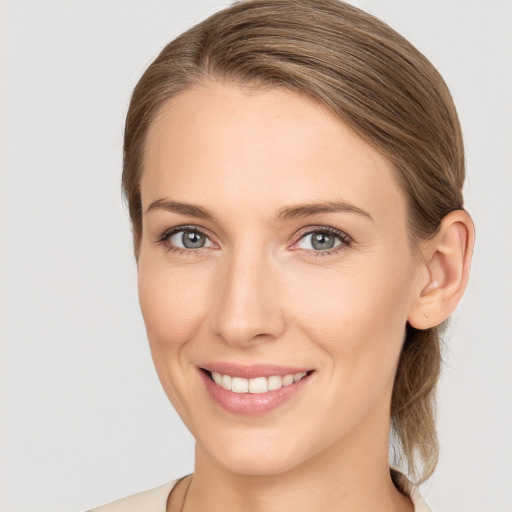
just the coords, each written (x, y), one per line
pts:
(259, 292)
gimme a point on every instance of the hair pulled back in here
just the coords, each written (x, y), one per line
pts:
(370, 78)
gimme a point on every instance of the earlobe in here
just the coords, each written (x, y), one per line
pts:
(447, 261)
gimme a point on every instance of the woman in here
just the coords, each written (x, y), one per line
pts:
(294, 172)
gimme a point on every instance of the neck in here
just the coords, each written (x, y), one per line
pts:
(352, 475)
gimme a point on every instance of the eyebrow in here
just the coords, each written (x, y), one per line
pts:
(285, 213)
(183, 208)
(305, 210)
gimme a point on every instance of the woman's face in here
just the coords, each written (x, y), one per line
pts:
(274, 243)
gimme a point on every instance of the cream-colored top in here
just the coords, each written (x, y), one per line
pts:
(155, 500)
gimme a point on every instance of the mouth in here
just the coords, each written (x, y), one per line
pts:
(253, 390)
(257, 385)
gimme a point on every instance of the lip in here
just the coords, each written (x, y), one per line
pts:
(254, 370)
(248, 404)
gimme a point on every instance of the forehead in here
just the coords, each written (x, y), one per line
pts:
(218, 145)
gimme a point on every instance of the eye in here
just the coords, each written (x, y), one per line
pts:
(323, 240)
(185, 238)
(189, 239)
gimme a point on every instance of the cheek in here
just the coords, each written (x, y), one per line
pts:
(357, 319)
(358, 315)
(173, 303)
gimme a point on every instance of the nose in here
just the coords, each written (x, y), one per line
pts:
(248, 306)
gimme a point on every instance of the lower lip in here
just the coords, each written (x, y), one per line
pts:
(252, 404)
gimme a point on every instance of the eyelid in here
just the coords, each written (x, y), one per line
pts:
(165, 236)
(346, 240)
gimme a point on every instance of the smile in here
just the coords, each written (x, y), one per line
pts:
(257, 385)
(253, 390)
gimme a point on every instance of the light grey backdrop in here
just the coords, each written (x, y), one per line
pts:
(84, 420)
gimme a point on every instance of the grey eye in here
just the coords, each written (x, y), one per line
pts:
(322, 241)
(319, 241)
(190, 239)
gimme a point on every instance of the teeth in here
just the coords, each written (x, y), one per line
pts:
(275, 382)
(239, 385)
(226, 382)
(288, 379)
(257, 385)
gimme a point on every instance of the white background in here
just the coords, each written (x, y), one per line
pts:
(84, 420)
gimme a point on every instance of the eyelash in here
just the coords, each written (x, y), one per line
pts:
(346, 241)
(165, 236)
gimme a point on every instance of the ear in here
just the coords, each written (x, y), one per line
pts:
(446, 264)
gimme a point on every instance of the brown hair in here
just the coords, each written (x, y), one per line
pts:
(373, 80)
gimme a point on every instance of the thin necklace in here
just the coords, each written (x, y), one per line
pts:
(185, 497)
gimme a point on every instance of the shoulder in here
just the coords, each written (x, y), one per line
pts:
(152, 500)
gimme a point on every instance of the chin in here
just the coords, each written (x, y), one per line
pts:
(246, 456)
(262, 465)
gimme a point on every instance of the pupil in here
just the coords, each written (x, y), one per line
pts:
(193, 239)
(322, 241)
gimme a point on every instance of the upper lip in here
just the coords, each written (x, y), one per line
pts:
(254, 370)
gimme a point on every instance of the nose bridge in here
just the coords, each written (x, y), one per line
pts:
(247, 304)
